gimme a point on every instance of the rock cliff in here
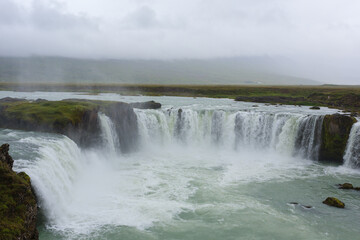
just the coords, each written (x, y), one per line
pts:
(334, 136)
(18, 207)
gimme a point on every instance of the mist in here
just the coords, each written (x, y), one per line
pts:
(306, 39)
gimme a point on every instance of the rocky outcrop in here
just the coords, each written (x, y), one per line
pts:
(334, 136)
(18, 207)
(334, 202)
(348, 186)
(125, 120)
(77, 119)
(86, 132)
(146, 105)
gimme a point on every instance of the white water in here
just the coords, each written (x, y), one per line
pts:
(219, 170)
(352, 154)
(109, 135)
(291, 134)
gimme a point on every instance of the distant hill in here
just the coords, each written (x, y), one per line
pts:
(245, 70)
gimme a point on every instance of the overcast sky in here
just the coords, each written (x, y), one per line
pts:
(321, 35)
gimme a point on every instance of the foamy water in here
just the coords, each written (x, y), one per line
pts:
(220, 170)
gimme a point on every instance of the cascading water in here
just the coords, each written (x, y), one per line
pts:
(294, 134)
(352, 153)
(211, 170)
(108, 132)
(54, 173)
(308, 138)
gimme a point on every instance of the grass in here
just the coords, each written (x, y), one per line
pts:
(342, 97)
(15, 199)
(47, 115)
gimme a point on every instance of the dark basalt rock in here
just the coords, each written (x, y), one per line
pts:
(304, 206)
(334, 202)
(334, 136)
(346, 186)
(75, 118)
(86, 133)
(315, 108)
(4, 155)
(146, 105)
(18, 207)
(125, 120)
(9, 99)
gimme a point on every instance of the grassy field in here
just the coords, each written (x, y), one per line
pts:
(343, 97)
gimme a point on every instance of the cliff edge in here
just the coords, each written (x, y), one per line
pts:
(18, 207)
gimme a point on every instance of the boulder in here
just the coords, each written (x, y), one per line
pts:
(334, 136)
(334, 202)
(346, 186)
(146, 105)
(4, 155)
(315, 108)
(18, 207)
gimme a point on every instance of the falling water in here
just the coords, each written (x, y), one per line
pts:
(352, 153)
(108, 132)
(203, 171)
(292, 134)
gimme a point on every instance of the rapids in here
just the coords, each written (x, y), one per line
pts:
(205, 169)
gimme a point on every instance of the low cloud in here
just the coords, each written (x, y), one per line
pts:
(311, 33)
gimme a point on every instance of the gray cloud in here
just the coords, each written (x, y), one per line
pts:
(143, 17)
(53, 17)
(10, 13)
(322, 33)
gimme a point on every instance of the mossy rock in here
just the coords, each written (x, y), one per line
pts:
(334, 136)
(18, 207)
(74, 118)
(334, 202)
(346, 186)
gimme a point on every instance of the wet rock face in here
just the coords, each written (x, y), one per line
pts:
(75, 118)
(87, 132)
(334, 202)
(18, 207)
(125, 121)
(146, 105)
(334, 136)
(4, 155)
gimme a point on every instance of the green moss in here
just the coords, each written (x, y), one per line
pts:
(335, 134)
(334, 202)
(47, 115)
(15, 197)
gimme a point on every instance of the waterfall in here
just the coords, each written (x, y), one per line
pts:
(109, 136)
(352, 153)
(308, 140)
(54, 172)
(291, 134)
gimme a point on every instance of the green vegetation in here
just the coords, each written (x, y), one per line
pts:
(342, 97)
(47, 114)
(335, 134)
(334, 202)
(17, 204)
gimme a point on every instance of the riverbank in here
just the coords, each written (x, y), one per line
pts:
(346, 98)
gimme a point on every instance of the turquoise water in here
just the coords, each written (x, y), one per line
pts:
(177, 190)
